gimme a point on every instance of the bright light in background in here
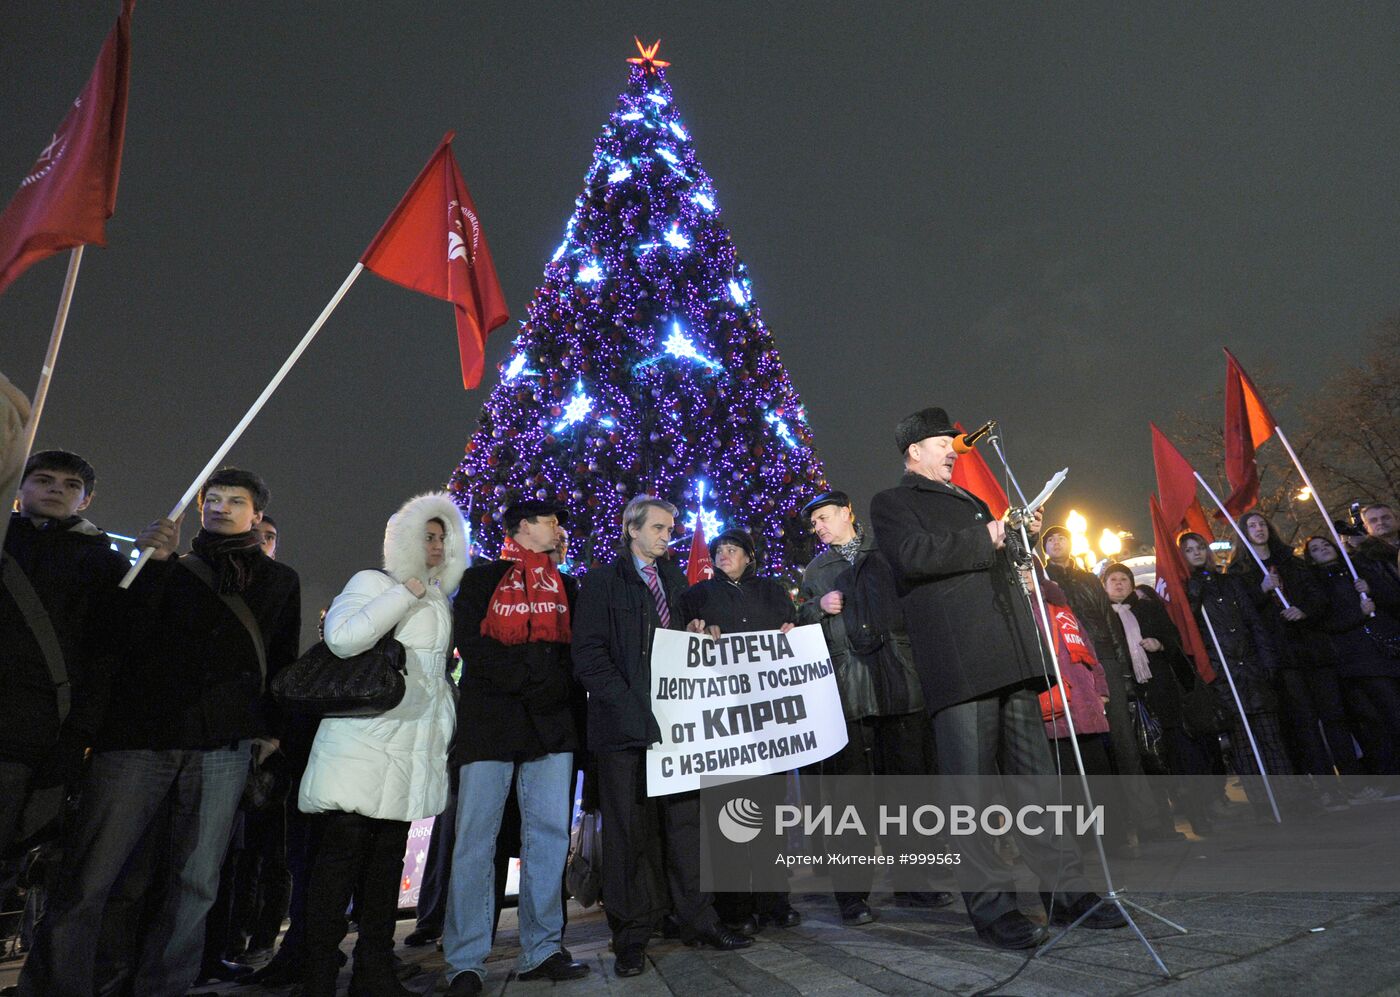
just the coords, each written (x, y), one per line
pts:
(1110, 543)
(1078, 535)
(1076, 523)
(1304, 494)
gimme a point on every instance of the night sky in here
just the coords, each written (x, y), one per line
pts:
(1053, 215)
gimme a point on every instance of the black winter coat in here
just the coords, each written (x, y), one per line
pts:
(191, 680)
(74, 571)
(1095, 612)
(1248, 647)
(1298, 644)
(1354, 652)
(612, 650)
(969, 620)
(751, 603)
(1172, 672)
(517, 702)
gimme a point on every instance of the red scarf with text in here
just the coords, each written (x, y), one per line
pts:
(529, 603)
(1068, 626)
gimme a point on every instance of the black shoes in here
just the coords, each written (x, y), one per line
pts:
(786, 917)
(858, 912)
(557, 967)
(464, 985)
(630, 961)
(720, 937)
(1013, 930)
(419, 937)
(748, 926)
(224, 971)
(1107, 916)
(926, 899)
(282, 971)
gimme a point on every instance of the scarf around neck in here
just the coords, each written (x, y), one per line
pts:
(232, 556)
(1142, 670)
(851, 549)
(529, 603)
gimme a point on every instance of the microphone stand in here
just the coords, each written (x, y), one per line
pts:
(1113, 897)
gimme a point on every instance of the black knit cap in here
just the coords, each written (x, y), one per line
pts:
(739, 538)
(1052, 531)
(825, 498)
(1118, 567)
(921, 425)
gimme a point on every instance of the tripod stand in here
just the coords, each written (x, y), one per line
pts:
(1113, 897)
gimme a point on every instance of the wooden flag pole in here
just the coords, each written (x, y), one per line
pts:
(248, 417)
(1240, 533)
(41, 393)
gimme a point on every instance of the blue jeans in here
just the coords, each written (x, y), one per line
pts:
(542, 788)
(121, 795)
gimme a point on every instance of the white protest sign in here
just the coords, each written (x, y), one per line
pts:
(740, 706)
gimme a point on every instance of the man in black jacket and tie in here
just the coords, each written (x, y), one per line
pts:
(977, 654)
(620, 606)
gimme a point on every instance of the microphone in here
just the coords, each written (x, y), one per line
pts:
(964, 442)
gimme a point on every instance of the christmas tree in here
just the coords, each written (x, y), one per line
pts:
(644, 364)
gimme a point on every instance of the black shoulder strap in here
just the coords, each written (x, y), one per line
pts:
(41, 626)
(234, 601)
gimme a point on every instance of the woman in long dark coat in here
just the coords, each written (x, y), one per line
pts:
(1362, 623)
(737, 600)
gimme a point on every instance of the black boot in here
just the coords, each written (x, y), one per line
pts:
(375, 977)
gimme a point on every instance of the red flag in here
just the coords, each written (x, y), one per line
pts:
(1248, 423)
(1197, 521)
(972, 474)
(699, 569)
(1171, 579)
(71, 190)
(1176, 478)
(433, 243)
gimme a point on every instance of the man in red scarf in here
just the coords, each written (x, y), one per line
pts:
(515, 721)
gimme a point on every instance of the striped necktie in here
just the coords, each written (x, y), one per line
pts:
(654, 583)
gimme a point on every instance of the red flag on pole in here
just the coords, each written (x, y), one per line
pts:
(1176, 481)
(972, 474)
(433, 243)
(1171, 579)
(71, 190)
(699, 568)
(1248, 423)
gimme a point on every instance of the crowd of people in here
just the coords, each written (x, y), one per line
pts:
(140, 742)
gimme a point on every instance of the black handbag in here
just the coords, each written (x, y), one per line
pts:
(320, 684)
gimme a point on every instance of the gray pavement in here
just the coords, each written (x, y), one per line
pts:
(1259, 943)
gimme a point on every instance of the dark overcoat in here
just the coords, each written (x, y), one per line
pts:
(968, 618)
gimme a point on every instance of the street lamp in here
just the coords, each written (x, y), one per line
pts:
(1079, 548)
(1110, 543)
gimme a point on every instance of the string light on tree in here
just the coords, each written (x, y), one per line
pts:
(647, 303)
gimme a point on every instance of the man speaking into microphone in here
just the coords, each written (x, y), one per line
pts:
(978, 657)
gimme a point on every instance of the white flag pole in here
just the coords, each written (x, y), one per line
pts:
(1321, 506)
(1244, 540)
(60, 321)
(247, 417)
(1244, 718)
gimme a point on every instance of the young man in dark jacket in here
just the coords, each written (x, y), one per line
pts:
(53, 693)
(620, 607)
(887, 729)
(512, 624)
(185, 714)
(978, 654)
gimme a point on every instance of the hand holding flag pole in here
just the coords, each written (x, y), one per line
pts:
(1244, 540)
(431, 243)
(1248, 423)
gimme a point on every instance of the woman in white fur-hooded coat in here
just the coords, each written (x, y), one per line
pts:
(394, 766)
(369, 776)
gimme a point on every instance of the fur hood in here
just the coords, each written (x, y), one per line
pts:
(403, 541)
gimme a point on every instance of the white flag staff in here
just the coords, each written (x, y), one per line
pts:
(1244, 718)
(421, 247)
(60, 321)
(1244, 540)
(227, 445)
